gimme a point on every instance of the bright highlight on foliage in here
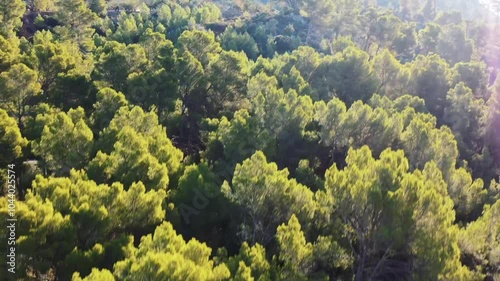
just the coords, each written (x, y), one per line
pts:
(250, 140)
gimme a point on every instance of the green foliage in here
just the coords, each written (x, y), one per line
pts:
(232, 40)
(400, 104)
(453, 45)
(199, 44)
(177, 18)
(11, 141)
(295, 254)
(135, 148)
(76, 19)
(229, 73)
(9, 51)
(479, 240)
(64, 214)
(307, 140)
(392, 76)
(340, 44)
(346, 75)
(235, 140)
(428, 37)
(306, 176)
(12, 144)
(66, 141)
(429, 81)
(466, 193)
(474, 75)
(275, 122)
(464, 117)
(382, 28)
(97, 6)
(405, 41)
(198, 200)
(358, 126)
(11, 12)
(50, 58)
(267, 197)
(19, 85)
(39, 5)
(108, 103)
(250, 263)
(423, 142)
(95, 275)
(365, 196)
(165, 255)
(116, 61)
(130, 27)
(207, 13)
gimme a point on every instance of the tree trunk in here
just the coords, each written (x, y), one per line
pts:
(361, 266)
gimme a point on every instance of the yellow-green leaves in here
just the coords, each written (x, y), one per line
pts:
(480, 240)
(358, 126)
(294, 251)
(11, 12)
(19, 84)
(250, 263)
(165, 255)
(66, 141)
(69, 216)
(429, 81)
(11, 140)
(268, 197)
(76, 19)
(95, 275)
(389, 212)
(135, 148)
(9, 51)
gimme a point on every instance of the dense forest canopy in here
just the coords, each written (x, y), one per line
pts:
(250, 140)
